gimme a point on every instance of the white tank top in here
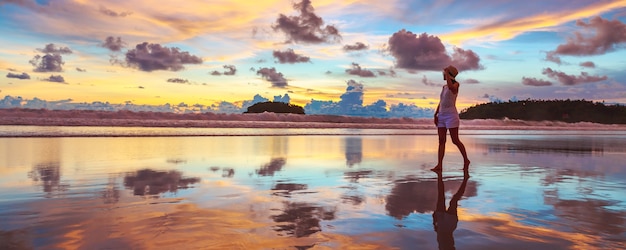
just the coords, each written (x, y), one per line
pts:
(447, 101)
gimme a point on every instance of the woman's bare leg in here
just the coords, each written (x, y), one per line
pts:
(441, 132)
(454, 134)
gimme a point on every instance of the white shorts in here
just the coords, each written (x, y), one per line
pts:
(449, 120)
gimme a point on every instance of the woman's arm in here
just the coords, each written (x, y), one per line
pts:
(453, 85)
(436, 115)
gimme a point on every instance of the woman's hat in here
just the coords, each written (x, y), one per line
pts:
(452, 71)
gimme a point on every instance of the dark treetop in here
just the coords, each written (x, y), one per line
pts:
(550, 110)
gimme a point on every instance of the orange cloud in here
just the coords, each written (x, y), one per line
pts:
(504, 30)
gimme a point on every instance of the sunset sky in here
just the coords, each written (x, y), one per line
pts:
(205, 52)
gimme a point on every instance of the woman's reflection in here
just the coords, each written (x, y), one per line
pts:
(445, 220)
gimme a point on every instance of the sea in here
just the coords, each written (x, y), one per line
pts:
(73, 187)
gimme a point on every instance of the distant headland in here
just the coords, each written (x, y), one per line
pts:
(570, 111)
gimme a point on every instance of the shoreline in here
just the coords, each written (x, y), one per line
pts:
(413, 124)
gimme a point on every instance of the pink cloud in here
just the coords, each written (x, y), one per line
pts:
(427, 52)
(531, 81)
(588, 64)
(605, 36)
(569, 80)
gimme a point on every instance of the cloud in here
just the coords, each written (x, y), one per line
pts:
(391, 72)
(358, 71)
(149, 57)
(112, 13)
(492, 98)
(356, 47)
(465, 59)
(178, 80)
(54, 78)
(471, 81)
(231, 71)
(113, 44)
(427, 52)
(53, 49)
(505, 29)
(588, 64)
(606, 36)
(353, 97)
(48, 63)
(80, 70)
(569, 80)
(289, 56)
(551, 56)
(307, 27)
(531, 81)
(276, 78)
(428, 82)
(22, 76)
(285, 98)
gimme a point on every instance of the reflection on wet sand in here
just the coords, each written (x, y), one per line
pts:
(413, 195)
(285, 189)
(445, 220)
(275, 165)
(301, 219)
(49, 175)
(353, 150)
(150, 182)
(361, 192)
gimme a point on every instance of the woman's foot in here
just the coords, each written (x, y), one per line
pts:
(466, 164)
(436, 168)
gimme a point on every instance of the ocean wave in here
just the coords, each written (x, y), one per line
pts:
(77, 127)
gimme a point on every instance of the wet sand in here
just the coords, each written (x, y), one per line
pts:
(526, 191)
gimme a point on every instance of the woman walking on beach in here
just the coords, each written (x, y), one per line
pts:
(447, 117)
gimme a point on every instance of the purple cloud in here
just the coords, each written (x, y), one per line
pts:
(54, 78)
(178, 80)
(306, 27)
(569, 80)
(531, 81)
(289, 56)
(48, 63)
(356, 47)
(429, 83)
(551, 56)
(231, 71)
(276, 78)
(112, 13)
(588, 64)
(607, 35)
(471, 81)
(113, 44)
(358, 71)
(22, 76)
(53, 49)
(427, 52)
(149, 57)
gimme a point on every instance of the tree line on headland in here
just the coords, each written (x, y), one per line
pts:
(549, 110)
(275, 107)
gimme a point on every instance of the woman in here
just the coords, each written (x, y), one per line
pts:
(447, 117)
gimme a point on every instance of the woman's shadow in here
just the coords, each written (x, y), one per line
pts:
(445, 220)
